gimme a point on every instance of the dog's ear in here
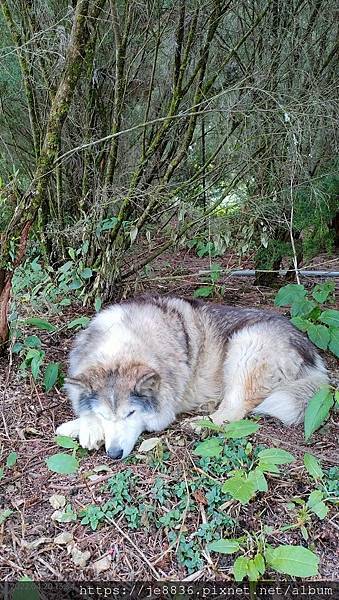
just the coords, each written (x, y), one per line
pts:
(147, 383)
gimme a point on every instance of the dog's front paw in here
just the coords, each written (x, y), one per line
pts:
(218, 418)
(91, 434)
(69, 429)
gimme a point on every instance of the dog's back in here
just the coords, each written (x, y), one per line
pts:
(245, 360)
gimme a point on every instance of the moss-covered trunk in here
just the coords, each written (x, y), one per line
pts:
(26, 211)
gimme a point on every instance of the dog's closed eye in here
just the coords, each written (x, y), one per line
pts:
(130, 414)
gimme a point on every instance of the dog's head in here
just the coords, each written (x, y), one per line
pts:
(125, 400)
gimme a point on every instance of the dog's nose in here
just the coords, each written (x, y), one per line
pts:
(115, 453)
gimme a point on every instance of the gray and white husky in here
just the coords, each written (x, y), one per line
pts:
(142, 362)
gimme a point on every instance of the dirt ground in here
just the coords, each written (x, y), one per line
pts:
(30, 416)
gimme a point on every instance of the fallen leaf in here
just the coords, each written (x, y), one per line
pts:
(103, 564)
(200, 497)
(80, 558)
(63, 538)
(149, 444)
(57, 501)
(100, 468)
(35, 543)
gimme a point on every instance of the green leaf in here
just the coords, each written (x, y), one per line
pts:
(317, 410)
(316, 505)
(330, 317)
(322, 291)
(209, 448)
(259, 479)
(97, 304)
(17, 347)
(289, 294)
(252, 571)
(302, 307)
(33, 341)
(79, 322)
(334, 342)
(312, 466)
(26, 589)
(75, 284)
(40, 324)
(4, 514)
(260, 563)
(224, 546)
(276, 456)
(86, 273)
(296, 561)
(36, 363)
(66, 442)
(51, 376)
(71, 253)
(206, 424)
(267, 467)
(2, 472)
(240, 568)
(65, 302)
(65, 464)
(11, 460)
(240, 429)
(203, 292)
(319, 335)
(240, 488)
(300, 323)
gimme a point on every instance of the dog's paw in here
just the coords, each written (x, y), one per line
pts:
(218, 417)
(69, 429)
(91, 434)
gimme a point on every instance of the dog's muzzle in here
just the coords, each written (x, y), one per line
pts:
(115, 453)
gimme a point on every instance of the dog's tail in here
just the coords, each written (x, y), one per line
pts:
(288, 403)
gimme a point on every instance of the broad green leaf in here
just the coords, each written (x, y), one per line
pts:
(76, 283)
(276, 456)
(317, 410)
(97, 304)
(86, 273)
(71, 253)
(296, 561)
(2, 472)
(260, 563)
(252, 571)
(330, 317)
(322, 291)
(240, 568)
(302, 307)
(79, 321)
(333, 346)
(40, 324)
(36, 363)
(11, 460)
(66, 442)
(51, 376)
(65, 302)
(206, 424)
(209, 448)
(259, 479)
(312, 466)
(66, 267)
(300, 323)
(319, 335)
(267, 467)
(65, 464)
(240, 488)
(4, 514)
(224, 546)
(289, 294)
(239, 429)
(316, 505)
(17, 347)
(33, 341)
(203, 292)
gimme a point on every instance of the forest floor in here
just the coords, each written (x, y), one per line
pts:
(167, 502)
